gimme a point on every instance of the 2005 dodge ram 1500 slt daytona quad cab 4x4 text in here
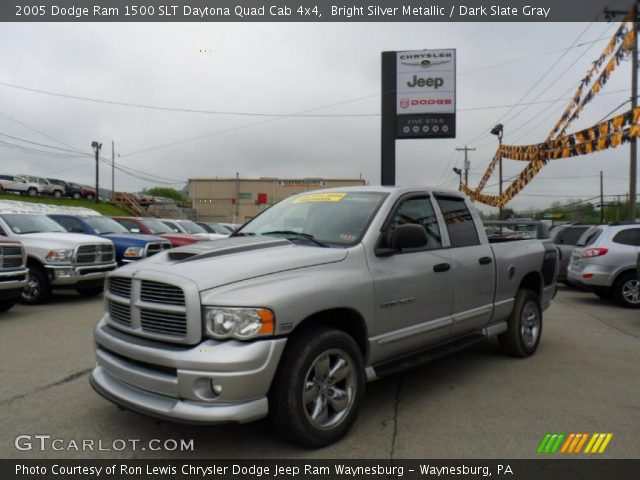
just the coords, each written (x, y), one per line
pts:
(291, 315)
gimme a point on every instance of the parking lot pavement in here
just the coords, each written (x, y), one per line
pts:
(476, 404)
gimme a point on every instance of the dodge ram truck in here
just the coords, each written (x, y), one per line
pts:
(130, 247)
(322, 292)
(13, 272)
(57, 259)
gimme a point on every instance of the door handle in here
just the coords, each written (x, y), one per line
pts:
(441, 267)
(485, 260)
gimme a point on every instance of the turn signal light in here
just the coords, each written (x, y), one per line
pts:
(594, 252)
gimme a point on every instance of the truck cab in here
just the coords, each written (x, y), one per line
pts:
(130, 247)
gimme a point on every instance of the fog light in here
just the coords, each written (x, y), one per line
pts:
(64, 273)
(215, 388)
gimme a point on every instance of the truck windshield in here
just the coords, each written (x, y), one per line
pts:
(191, 227)
(156, 226)
(104, 225)
(332, 218)
(21, 224)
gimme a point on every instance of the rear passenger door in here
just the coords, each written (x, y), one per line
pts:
(473, 267)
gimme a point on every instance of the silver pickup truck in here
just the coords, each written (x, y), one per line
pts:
(324, 291)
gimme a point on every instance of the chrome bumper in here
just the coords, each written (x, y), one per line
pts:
(213, 382)
(61, 275)
(14, 279)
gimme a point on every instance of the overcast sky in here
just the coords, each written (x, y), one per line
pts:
(287, 68)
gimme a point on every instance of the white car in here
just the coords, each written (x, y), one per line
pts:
(191, 228)
(45, 186)
(20, 184)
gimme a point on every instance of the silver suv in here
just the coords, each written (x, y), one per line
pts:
(605, 262)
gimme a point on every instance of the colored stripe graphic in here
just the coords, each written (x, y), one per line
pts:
(573, 443)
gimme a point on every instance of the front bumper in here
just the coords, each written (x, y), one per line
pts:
(176, 382)
(12, 282)
(71, 275)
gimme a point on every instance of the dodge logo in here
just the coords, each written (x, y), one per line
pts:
(404, 103)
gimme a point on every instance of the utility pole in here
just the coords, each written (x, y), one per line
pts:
(113, 170)
(633, 150)
(601, 199)
(97, 147)
(236, 214)
(466, 162)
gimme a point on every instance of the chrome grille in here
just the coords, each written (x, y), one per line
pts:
(153, 248)
(12, 256)
(164, 322)
(161, 293)
(120, 313)
(120, 286)
(88, 254)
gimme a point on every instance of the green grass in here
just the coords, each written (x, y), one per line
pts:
(102, 207)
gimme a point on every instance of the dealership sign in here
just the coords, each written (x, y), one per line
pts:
(425, 93)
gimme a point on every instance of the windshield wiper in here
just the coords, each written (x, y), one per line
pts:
(242, 234)
(306, 236)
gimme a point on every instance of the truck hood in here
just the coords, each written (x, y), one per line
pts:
(229, 260)
(133, 238)
(61, 239)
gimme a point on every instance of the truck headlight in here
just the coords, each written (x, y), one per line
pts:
(60, 255)
(240, 323)
(134, 252)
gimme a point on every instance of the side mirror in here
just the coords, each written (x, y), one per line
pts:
(404, 237)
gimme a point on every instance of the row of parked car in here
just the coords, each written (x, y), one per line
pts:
(603, 259)
(32, 185)
(40, 252)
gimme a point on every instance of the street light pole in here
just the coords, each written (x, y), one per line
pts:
(96, 148)
(633, 169)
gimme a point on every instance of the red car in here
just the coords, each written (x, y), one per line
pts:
(153, 226)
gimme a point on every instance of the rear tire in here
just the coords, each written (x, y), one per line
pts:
(38, 289)
(524, 326)
(90, 292)
(32, 192)
(90, 196)
(626, 290)
(317, 392)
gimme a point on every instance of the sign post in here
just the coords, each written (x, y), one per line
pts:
(418, 100)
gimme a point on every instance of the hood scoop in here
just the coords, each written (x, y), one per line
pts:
(218, 248)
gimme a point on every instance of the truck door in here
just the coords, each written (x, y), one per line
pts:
(472, 265)
(413, 288)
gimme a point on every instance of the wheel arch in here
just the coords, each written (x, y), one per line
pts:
(532, 281)
(345, 319)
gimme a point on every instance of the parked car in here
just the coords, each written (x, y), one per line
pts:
(218, 228)
(191, 228)
(130, 247)
(57, 259)
(46, 187)
(66, 187)
(153, 226)
(291, 315)
(605, 261)
(19, 184)
(232, 226)
(565, 238)
(13, 272)
(78, 191)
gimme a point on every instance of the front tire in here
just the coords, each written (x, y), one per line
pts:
(32, 192)
(76, 195)
(38, 289)
(524, 326)
(317, 392)
(626, 290)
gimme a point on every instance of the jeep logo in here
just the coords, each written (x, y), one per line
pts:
(435, 82)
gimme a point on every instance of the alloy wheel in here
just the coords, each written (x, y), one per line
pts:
(631, 291)
(530, 324)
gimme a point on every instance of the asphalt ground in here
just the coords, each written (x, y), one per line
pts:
(585, 377)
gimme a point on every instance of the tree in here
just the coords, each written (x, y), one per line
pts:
(167, 192)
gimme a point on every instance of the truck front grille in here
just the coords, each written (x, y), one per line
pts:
(161, 293)
(120, 313)
(89, 254)
(148, 306)
(12, 256)
(120, 286)
(167, 323)
(153, 248)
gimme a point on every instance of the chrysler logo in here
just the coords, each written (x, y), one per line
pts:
(425, 63)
